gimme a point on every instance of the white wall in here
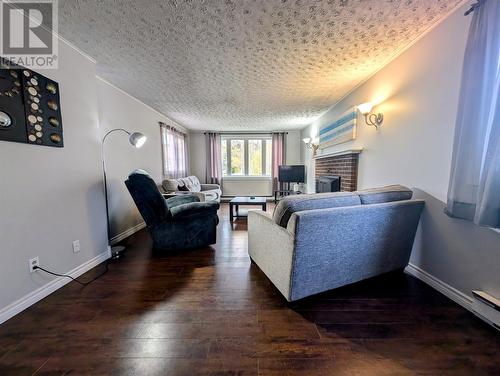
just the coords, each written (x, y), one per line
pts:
(418, 95)
(241, 186)
(118, 109)
(52, 196)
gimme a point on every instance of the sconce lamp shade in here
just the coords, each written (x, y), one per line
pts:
(306, 140)
(137, 139)
(365, 108)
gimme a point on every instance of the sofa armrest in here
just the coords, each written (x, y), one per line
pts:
(208, 187)
(194, 209)
(271, 247)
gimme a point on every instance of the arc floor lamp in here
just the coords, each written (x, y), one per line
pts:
(137, 140)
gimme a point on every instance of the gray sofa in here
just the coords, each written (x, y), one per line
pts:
(205, 192)
(315, 243)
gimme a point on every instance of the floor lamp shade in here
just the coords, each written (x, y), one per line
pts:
(137, 139)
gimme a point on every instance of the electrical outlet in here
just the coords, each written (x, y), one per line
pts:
(32, 263)
(76, 246)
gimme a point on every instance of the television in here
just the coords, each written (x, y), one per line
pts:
(292, 174)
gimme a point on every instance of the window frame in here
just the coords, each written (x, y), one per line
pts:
(266, 142)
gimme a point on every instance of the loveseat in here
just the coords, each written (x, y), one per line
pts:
(205, 192)
(314, 243)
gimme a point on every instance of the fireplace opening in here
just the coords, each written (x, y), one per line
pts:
(328, 183)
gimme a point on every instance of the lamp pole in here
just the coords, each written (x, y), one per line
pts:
(137, 140)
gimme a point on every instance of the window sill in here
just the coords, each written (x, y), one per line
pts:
(243, 178)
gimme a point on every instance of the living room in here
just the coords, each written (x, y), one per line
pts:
(261, 188)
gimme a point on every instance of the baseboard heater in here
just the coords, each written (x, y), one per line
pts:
(487, 307)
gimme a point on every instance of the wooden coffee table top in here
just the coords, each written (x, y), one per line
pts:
(248, 200)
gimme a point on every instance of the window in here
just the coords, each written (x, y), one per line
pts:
(174, 152)
(246, 156)
(237, 157)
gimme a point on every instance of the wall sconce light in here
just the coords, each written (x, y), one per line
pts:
(370, 118)
(311, 145)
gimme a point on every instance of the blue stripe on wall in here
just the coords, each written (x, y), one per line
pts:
(336, 134)
(350, 116)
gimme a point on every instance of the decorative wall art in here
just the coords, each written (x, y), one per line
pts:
(342, 130)
(30, 110)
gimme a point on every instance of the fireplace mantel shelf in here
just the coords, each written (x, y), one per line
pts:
(339, 153)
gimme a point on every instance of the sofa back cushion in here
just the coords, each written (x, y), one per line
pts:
(170, 185)
(190, 183)
(292, 204)
(384, 194)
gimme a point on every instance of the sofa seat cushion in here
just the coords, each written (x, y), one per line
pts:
(384, 194)
(292, 204)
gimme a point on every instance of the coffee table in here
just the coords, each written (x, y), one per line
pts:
(237, 201)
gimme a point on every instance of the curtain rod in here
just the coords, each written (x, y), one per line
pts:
(473, 7)
(244, 133)
(162, 124)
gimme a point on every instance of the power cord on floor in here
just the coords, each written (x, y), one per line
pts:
(74, 279)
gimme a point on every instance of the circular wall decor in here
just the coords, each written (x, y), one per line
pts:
(54, 137)
(51, 88)
(52, 105)
(53, 121)
(5, 120)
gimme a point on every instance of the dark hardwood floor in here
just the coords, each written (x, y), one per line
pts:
(210, 311)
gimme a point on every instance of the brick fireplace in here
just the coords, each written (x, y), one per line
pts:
(343, 164)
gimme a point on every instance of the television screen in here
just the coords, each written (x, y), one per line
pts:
(292, 174)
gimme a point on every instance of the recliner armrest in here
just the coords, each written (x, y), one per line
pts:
(194, 209)
(172, 202)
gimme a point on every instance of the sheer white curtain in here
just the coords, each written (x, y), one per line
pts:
(174, 151)
(474, 191)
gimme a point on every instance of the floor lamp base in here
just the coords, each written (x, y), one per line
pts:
(117, 251)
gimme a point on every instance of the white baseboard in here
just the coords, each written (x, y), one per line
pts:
(47, 289)
(445, 289)
(125, 234)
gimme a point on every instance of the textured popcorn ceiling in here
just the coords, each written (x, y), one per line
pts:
(243, 64)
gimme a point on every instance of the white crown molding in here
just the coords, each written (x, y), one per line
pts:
(71, 45)
(175, 123)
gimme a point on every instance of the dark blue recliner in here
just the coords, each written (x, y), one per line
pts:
(175, 223)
